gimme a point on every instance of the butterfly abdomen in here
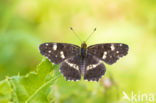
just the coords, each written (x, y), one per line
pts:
(82, 66)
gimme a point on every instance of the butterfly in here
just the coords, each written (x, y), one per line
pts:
(76, 61)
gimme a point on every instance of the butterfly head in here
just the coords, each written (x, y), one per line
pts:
(84, 45)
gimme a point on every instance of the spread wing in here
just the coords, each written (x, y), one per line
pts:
(71, 68)
(94, 68)
(91, 67)
(57, 52)
(109, 52)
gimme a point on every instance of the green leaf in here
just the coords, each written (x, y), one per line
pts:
(5, 91)
(32, 88)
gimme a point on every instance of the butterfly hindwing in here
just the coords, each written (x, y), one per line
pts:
(57, 52)
(95, 68)
(70, 68)
(91, 67)
(109, 52)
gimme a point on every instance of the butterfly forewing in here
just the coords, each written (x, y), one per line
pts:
(109, 52)
(57, 52)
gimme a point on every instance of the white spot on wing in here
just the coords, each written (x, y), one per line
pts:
(72, 65)
(112, 47)
(46, 44)
(104, 55)
(117, 51)
(120, 44)
(54, 47)
(62, 55)
(93, 65)
(49, 51)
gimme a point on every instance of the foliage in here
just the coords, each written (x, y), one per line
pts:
(32, 88)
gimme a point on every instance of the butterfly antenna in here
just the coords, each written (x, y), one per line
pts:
(75, 34)
(91, 34)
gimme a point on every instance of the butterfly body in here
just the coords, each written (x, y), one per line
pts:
(83, 49)
(87, 61)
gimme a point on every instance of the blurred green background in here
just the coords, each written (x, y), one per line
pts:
(25, 24)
